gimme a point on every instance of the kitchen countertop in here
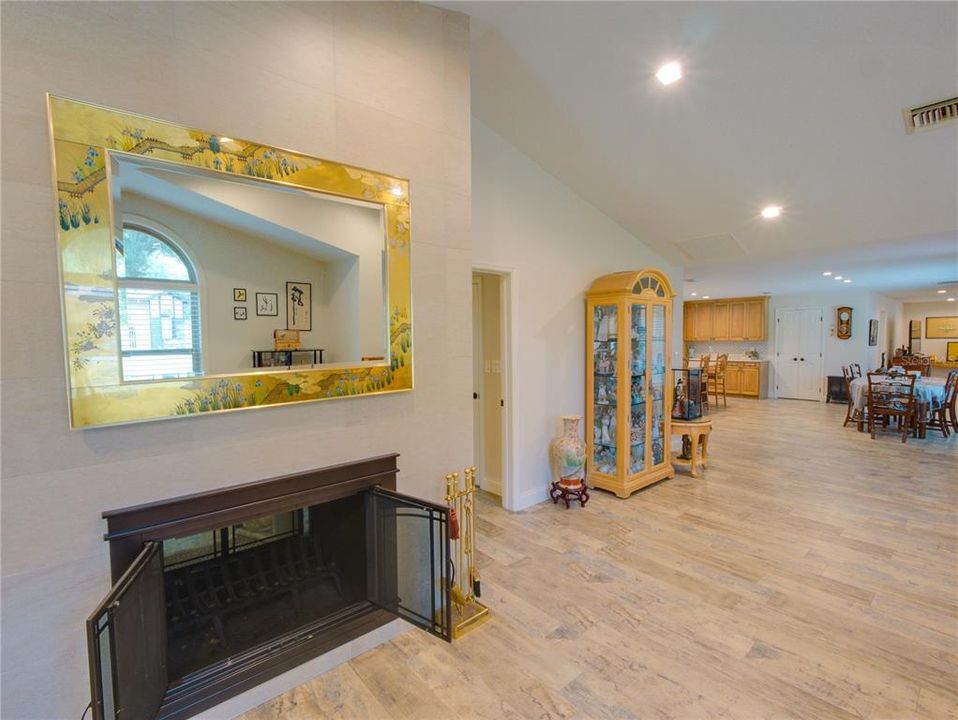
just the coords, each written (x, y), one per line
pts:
(738, 358)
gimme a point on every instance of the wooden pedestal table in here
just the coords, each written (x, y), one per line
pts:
(698, 434)
(569, 490)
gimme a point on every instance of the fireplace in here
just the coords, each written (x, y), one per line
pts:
(217, 592)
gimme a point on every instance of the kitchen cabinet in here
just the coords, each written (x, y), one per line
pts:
(733, 377)
(749, 379)
(755, 325)
(720, 321)
(726, 319)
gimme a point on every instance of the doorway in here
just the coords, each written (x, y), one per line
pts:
(798, 353)
(491, 381)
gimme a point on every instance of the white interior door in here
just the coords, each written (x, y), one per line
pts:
(798, 353)
(810, 355)
(478, 449)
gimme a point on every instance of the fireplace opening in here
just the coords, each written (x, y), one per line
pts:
(236, 587)
(217, 592)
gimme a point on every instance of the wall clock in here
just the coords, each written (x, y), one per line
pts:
(844, 323)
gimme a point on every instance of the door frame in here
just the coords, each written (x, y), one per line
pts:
(821, 357)
(478, 410)
(508, 342)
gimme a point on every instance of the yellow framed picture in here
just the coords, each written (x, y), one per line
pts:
(941, 328)
(951, 352)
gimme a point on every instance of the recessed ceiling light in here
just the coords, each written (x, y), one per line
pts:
(942, 292)
(838, 277)
(694, 294)
(827, 273)
(706, 297)
(772, 211)
(951, 299)
(847, 280)
(669, 73)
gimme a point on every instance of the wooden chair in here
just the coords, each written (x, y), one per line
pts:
(850, 412)
(717, 379)
(942, 415)
(856, 370)
(891, 398)
(704, 362)
(952, 414)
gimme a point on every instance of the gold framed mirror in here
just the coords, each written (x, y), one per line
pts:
(202, 273)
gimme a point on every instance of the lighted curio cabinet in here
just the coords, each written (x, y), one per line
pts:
(628, 392)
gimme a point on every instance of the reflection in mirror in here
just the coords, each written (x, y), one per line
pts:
(209, 266)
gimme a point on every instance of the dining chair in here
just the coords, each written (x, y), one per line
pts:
(717, 379)
(850, 411)
(888, 398)
(942, 414)
(953, 376)
(856, 370)
(704, 366)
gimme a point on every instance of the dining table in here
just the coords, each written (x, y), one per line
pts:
(929, 394)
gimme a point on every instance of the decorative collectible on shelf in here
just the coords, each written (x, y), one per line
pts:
(628, 400)
(687, 396)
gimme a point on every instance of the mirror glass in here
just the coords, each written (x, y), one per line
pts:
(210, 266)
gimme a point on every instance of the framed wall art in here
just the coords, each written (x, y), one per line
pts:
(872, 333)
(299, 306)
(239, 294)
(267, 304)
(941, 328)
(951, 352)
(239, 313)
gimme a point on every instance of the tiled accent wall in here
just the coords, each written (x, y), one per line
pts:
(383, 86)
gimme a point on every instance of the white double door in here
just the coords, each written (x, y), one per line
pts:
(798, 353)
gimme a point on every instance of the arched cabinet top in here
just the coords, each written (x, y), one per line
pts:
(647, 281)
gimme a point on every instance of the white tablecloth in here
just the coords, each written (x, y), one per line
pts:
(930, 391)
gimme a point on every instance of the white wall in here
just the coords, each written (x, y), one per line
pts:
(383, 86)
(557, 244)
(920, 311)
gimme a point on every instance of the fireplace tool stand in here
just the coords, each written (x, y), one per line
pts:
(466, 587)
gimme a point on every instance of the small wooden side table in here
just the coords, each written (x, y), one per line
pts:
(698, 431)
(569, 492)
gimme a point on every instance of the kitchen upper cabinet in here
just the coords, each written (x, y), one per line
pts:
(727, 319)
(720, 324)
(736, 320)
(755, 320)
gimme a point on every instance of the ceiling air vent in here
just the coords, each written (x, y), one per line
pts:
(928, 116)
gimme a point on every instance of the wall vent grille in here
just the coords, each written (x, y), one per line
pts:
(929, 116)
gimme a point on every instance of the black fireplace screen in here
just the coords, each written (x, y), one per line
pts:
(193, 606)
(236, 587)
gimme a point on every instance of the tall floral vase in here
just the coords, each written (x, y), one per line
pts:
(568, 453)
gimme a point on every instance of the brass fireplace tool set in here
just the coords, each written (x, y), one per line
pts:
(465, 586)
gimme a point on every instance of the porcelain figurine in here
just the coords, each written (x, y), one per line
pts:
(568, 453)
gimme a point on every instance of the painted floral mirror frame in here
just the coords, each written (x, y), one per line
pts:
(83, 136)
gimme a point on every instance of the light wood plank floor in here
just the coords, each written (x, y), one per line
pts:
(809, 573)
